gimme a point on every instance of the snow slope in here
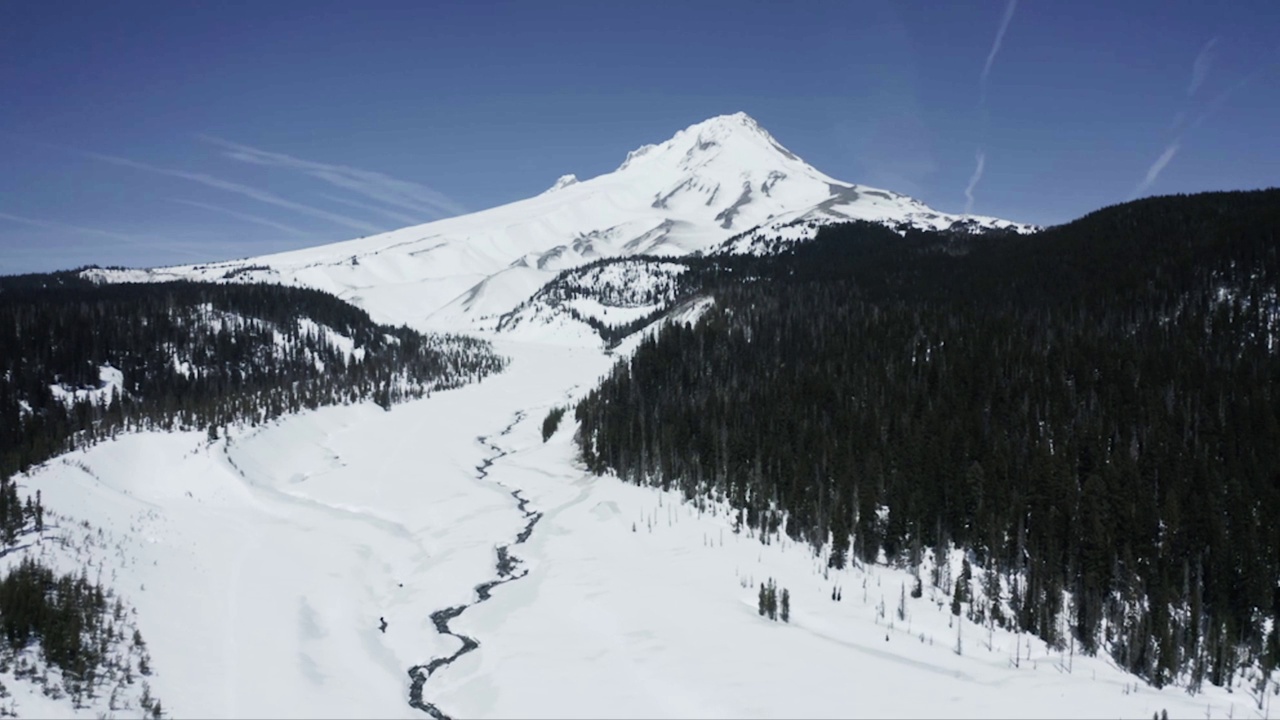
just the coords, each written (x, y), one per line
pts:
(262, 565)
(110, 380)
(612, 294)
(710, 182)
(640, 605)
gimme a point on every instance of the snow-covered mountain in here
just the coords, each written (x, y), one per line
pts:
(720, 179)
(449, 553)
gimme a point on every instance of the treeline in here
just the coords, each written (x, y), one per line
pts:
(79, 626)
(66, 615)
(634, 281)
(1092, 412)
(197, 355)
(81, 629)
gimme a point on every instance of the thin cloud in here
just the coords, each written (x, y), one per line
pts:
(973, 182)
(397, 216)
(64, 227)
(373, 185)
(251, 192)
(1200, 68)
(1007, 18)
(995, 46)
(140, 241)
(1217, 102)
(1156, 168)
(244, 216)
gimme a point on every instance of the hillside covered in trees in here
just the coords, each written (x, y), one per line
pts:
(83, 361)
(1090, 412)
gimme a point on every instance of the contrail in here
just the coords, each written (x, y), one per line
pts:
(973, 182)
(1156, 168)
(982, 100)
(1217, 102)
(397, 216)
(995, 46)
(245, 216)
(1199, 71)
(141, 241)
(247, 191)
(377, 186)
(52, 225)
(1200, 68)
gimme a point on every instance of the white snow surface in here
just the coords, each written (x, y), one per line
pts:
(110, 380)
(708, 183)
(615, 293)
(563, 181)
(261, 564)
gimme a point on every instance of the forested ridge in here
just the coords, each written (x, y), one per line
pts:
(633, 281)
(1092, 413)
(81, 362)
(196, 355)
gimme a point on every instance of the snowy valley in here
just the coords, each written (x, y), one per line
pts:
(261, 565)
(302, 564)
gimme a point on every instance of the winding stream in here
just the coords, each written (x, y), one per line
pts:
(506, 566)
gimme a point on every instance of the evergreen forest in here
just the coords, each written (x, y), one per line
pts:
(1090, 413)
(193, 355)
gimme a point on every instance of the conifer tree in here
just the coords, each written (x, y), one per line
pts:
(1056, 408)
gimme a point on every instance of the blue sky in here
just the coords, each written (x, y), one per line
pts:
(146, 133)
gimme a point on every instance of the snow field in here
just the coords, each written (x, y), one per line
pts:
(638, 604)
(261, 565)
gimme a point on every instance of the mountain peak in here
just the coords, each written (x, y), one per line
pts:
(737, 124)
(564, 182)
(733, 122)
(722, 184)
(702, 139)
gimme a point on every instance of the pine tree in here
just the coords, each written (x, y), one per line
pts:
(771, 600)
